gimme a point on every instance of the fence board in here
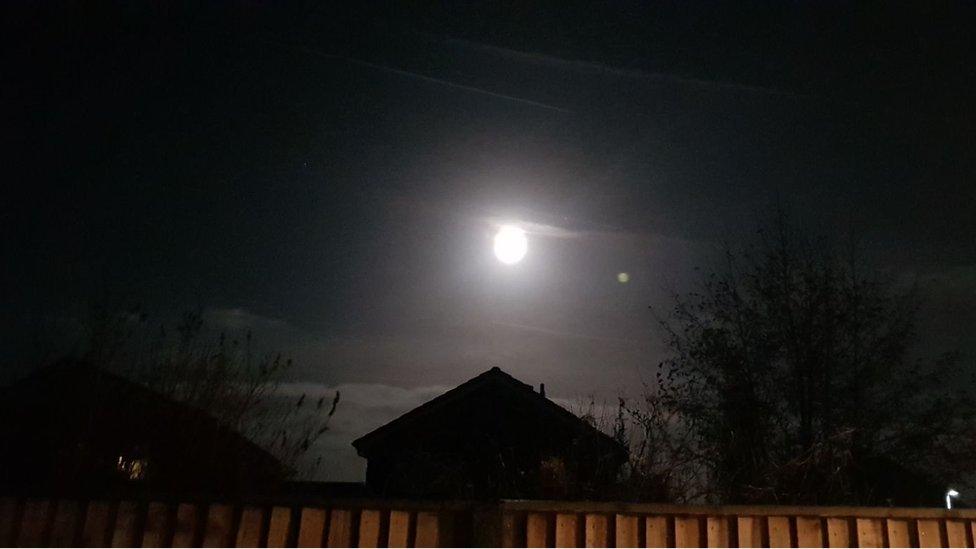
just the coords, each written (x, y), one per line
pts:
(536, 529)
(399, 529)
(64, 525)
(251, 527)
(898, 533)
(656, 532)
(567, 530)
(750, 531)
(35, 523)
(9, 511)
(186, 526)
(626, 531)
(370, 527)
(278, 527)
(929, 533)
(956, 533)
(870, 532)
(432, 529)
(778, 529)
(158, 531)
(809, 532)
(838, 532)
(597, 530)
(340, 528)
(127, 527)
(98, 517)
(311, 527)
(717, 531)
(219, 529)
(687, 532)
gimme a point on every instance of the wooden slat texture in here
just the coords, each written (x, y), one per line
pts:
(370, 528)
(9, 511)
(186, 525)
(340, 528)
(95, 532)
(432, 529)
(929, 533)
(656, 532)
(838, 532)
(568, 530)
(956, 533)
(39, 522)
(158, 531)
(311, 527)
(399, 529)
(717, 531)
(597, 530)
(778, 529)
(35, 523)
(127, 528)
(278, 526)
(870, 532)
(809, 532)
(687, 532)
(627, 531)
(251, 527)
(219, 529)
(536, 529)
(65, 524)
(750, 531)
(898, 533)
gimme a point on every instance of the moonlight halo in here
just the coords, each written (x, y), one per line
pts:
(510, 244)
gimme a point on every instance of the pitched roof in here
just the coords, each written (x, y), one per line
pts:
(494, 377)
(76, 385)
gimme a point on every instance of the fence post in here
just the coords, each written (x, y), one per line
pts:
(486, 525)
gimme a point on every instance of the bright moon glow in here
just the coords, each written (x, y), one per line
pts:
(510, 244)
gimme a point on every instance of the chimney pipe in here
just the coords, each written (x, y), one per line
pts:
(542, 389)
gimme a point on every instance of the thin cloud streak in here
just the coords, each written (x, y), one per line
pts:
(425, 78)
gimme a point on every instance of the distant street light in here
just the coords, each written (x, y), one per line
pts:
(949, 495)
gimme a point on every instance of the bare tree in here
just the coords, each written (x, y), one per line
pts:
(791, 378)
(220, 375)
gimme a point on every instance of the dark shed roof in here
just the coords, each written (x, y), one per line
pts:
(51, 414)
(494, 378)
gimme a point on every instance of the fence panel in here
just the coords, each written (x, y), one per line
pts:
(809, 532)
(65, 525)
(35, 523)
(127, 531)
(147, 523)
(251, 528)
(568, 530)
(627, 531)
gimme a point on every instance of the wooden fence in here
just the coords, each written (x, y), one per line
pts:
(378, 523)
(568, 524)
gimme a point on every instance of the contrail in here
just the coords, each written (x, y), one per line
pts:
(414, 75)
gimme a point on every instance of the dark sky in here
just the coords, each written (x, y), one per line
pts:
(332, 177)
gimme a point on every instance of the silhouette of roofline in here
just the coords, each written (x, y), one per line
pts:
(47, 377)
(375, 438)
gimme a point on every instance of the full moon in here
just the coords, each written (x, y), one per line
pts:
(510, 244)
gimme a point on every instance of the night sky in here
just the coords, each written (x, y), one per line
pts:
(332, 178)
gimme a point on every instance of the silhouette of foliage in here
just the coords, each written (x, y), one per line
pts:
(792, 379)
(220, 375)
